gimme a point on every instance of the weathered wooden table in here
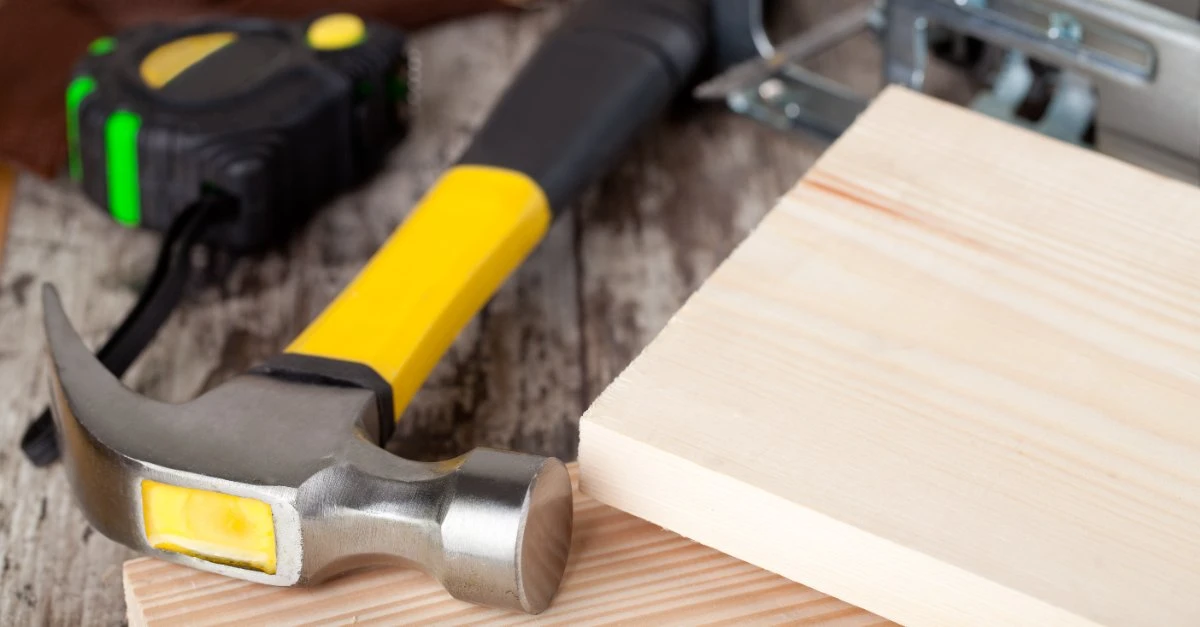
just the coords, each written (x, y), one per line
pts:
(599, 288)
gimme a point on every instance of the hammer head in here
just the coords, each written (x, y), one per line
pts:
(277, 481)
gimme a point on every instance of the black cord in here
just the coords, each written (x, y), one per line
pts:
(161, 295)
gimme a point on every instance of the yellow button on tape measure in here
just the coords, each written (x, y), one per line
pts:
(336, 32)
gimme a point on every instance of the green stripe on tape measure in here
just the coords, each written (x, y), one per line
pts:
(77, 92)
(124, 193)
(102, 46)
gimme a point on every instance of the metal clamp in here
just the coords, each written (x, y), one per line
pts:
(1128, 72)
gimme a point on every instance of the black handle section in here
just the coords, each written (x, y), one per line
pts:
(602, 76)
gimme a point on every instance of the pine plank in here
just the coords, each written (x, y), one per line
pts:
(952, 378)
(622, 570)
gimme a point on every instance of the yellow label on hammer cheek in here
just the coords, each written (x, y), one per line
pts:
(221, 528)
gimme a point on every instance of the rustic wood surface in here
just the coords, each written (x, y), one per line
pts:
(622, 569)
(598, 289)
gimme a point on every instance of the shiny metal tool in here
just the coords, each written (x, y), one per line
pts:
(1120, 76)
(279, 481)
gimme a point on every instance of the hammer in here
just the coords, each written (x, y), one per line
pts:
(278, 475)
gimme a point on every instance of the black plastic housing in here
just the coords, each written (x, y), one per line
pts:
(596, 82)
(278, 125)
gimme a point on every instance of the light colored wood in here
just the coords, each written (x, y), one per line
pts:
(952, 378)
(622, 570)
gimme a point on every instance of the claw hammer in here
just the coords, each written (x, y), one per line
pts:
(278, 476)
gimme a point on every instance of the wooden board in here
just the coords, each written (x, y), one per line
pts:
(952, 378)
(621, 570)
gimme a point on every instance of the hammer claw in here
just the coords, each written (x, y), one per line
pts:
(270, 477)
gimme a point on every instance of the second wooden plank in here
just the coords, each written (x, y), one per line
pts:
(621, 570)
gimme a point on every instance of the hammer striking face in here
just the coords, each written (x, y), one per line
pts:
(276, 481)
(276, 476)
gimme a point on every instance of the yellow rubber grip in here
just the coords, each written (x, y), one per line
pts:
(403, 310)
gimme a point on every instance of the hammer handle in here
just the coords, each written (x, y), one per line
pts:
(599, 79)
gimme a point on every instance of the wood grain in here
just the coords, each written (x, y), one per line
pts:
(953, 378)
(622, 570)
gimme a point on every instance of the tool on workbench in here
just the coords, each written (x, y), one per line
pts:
(230, 131)
(277, 476)
(1121, 76)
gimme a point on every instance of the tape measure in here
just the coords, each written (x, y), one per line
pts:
(229, 132)
(278, 117)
